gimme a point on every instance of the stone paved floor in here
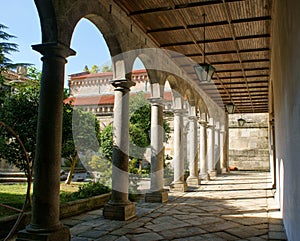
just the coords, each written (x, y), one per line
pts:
(235, 206)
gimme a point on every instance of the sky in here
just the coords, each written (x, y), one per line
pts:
(21, 18)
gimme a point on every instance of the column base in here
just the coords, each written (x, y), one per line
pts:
(193, 181)
(224, 170)
(212, 173)
(178, 186)
(120, 212)
(156, 197)
(204, 176)
(62, 234)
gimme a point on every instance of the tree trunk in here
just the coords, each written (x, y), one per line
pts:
(72, 167)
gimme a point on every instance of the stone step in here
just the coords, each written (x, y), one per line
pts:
(12, 174)
(12, 179)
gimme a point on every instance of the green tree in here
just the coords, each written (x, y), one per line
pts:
(86, 69)
(140, 116)
(106, 68)
(20, 112)
(81, 134)
(106, 142)
(101, 162)
(95, 69)
(6, 48)
(139, 129)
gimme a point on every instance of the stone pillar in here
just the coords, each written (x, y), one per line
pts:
(272, 151)
(45, 224)
(193, 178)
(217, 148)
(223, 150)
(185, 143)
(179, 183)
(119, 207)
(157, 192)
(203, 151)
(211, 148)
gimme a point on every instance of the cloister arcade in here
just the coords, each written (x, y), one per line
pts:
(129, 34)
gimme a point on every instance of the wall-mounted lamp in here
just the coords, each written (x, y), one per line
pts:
(204, 71)
(241, 121)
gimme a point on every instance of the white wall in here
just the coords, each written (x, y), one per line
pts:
(286, 79)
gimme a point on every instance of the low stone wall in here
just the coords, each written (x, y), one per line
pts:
(66, 210)
(248, 144)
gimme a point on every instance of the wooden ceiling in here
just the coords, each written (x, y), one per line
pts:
(237, 43)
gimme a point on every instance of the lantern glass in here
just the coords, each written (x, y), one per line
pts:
(230, 108)
(204, 72)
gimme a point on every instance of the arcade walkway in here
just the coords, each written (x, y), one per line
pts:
(235, 206)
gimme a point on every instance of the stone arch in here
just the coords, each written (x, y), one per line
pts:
(58, 22)
(203, 109)
(47, 17)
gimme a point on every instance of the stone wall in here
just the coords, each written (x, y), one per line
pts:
(248, 145)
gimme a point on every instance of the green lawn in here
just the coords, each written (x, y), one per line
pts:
(14, 195)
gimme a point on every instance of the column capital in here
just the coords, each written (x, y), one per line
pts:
(156, 101)
(122, 84)
(53, 49)
(211, 126)
(203, 122)
(192, 118)
(179, 111)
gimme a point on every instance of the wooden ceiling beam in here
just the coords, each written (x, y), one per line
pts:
(215, 40)
(237, 62)
(211, 24)
(176, 7)
(223, 53)
(238, 70)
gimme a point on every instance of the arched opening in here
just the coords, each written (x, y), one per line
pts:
(89, 74)
(91, 50)
(140, 77)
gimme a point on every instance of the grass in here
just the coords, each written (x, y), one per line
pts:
(13, 195)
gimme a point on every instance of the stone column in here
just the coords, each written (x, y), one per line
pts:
(203, 151)
(185, 142)
(179, 183)
(45, 224)
(193, 178)
(119, 207)
(223, 150)
(211, 148)
(217, 148)
(157, 192)
(272, 151)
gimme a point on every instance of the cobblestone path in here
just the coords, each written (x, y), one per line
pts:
(234, 206)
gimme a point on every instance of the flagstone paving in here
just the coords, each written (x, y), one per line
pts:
(234, 206)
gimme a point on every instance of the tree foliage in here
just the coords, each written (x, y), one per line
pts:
(106, 142)
(139, 128)
(106, 68)
(6, 48)
(20, 112)
(96, 69)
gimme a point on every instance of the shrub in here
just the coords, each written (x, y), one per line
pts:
(86, 190)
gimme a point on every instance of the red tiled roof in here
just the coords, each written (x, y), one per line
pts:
(104, 99)
(104, 74)
(91, 100)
